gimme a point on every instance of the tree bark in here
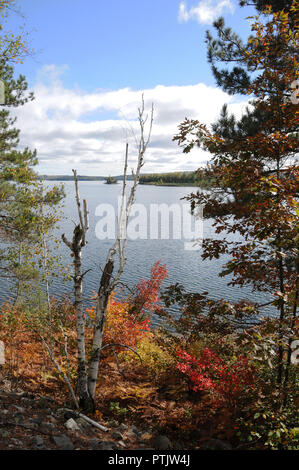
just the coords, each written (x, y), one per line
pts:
(108, 282)
(101, 308)
(79, 241)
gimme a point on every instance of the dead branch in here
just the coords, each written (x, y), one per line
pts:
(117, 363)
(88, 420)
(123, 346)
(59, 370)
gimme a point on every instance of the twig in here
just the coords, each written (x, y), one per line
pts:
(61, 373)
(123, 346)
(117, 364)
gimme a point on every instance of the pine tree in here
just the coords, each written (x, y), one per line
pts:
(229, 49)
(20, 195)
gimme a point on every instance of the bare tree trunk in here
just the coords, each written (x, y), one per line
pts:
(78, 242)
(101, 307)
(108, 282)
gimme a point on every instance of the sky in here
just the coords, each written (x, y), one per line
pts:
(94, 59)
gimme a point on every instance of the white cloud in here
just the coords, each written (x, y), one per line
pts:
(72, 128)
(183, 13)
(205, 12)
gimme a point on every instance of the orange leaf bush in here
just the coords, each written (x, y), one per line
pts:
(127, 320)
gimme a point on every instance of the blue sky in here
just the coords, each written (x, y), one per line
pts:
(93, 60)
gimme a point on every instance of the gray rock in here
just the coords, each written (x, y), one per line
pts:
(71, 425)
(26, 401)
(38, 443)
(162, 442)
(31, 424)
(47, 427)
(20, 409)
(70, 414)
(178, 446)
(52, 419)
(94, 443)
(63, 442)
(117, 435)
(28, 395)
(37, 420)
(16, 442)
(98, 444)
(217, 444)
(106, 445)
(113, 424)
(123, 427)
(133, 429)
(83, 424)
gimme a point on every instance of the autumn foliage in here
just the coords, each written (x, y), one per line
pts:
(128, 318)
(225, 380)
(255, 170)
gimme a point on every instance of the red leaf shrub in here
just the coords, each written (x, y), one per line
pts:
(226, 380)
(147, 297)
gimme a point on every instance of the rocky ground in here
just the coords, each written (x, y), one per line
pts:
(34, 422)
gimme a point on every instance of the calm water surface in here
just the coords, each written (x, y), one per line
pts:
(184, 267)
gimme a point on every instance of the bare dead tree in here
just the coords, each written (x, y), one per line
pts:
(109, 281)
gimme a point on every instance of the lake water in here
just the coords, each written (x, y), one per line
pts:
(183, 266)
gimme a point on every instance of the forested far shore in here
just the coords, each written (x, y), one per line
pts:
(70, 178)
(178, 178)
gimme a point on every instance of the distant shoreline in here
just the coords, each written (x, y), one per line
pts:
(70, 178)
(183, 179)
(169, 184)
(60, 179)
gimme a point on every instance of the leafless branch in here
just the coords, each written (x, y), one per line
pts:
(59, 370)
(122, 346)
